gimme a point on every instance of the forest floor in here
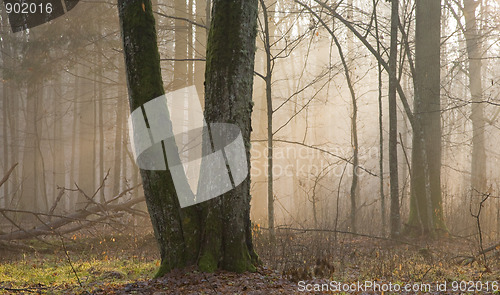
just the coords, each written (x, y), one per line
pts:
(298, 260)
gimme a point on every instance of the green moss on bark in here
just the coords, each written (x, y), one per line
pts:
(217, 233)
(208, 262)
(211, 249)
(163, 270)
(228, 88)
(144, 84)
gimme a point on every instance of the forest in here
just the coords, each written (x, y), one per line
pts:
(249, 147)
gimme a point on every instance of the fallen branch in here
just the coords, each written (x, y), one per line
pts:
(491, 248)
(29, 290)
(48, 228)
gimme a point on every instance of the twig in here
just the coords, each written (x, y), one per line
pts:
(91, 199)
(318, 149)
(123, 193)
(7, 175)
(58, 198)
(337, 203)
(478, 221)
(210, 284)
(404, 152)
(90, 222)
(345, 232)
(30, 290)
(429, 269)
(183, 19)
(69, 261)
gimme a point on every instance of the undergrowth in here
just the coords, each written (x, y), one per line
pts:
(110, 264)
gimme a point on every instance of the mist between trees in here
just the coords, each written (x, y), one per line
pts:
(303, 161)
(379, 118)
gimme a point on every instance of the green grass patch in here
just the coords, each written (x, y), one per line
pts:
(51, 272)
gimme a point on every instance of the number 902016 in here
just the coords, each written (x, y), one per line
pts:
(474, 286)
(28, 8)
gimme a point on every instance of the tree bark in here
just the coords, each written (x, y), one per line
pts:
(118, 144)
(181, 46)
(217, 233)
(380, 123)
(473, 41)
(393, 122)
(354, 116)
(144, 84)
(99, 73)
(33, 196)
(86, 142)
(59, 158)
(74, 125)
(6, 52)
(228, 99)
(269, 103)
(200, 45)
(426, 211)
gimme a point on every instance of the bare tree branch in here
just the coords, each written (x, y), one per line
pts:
(7, 175)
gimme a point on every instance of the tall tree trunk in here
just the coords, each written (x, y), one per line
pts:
(228, 99)
(100, 108)
(144, 84)
(86, 144)
(14, 108)
(200, 44)
(354, 135)
(380, 123)
(33, 196)
(426, 211)
(74, 128)
(10, 46)
(5, 134)
(181, 46)
(354, 117)
(120, 126)
(393, 122)
(190, 44)
(355, 160)
(6, 53)
(124, 162)
(269, 103)
(221, 235)
(473, 41)
(58, 140)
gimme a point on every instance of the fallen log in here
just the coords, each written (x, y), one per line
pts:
(103, 211)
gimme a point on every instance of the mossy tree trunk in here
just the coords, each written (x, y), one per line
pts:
(217, 233)
(228, 99)
(426, 213)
